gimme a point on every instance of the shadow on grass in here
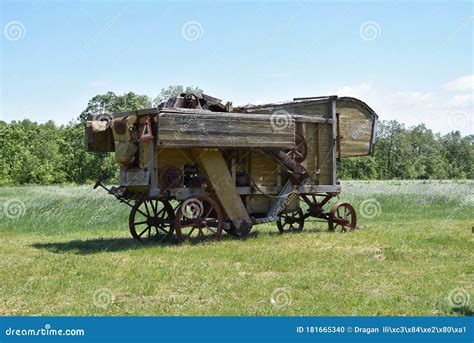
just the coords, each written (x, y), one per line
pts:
(99, 245)
(463, 311)
(93, 246)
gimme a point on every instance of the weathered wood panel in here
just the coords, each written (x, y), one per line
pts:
(311, 137)
(356, 124)
(176, 157)
(312, 108)
(258, 203)
(325, 155)
(263, 169)
(224, 130)
(355, 131)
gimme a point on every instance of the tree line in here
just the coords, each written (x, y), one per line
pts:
(32, 153)
(413, 153)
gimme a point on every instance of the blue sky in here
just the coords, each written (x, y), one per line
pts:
(410, 61)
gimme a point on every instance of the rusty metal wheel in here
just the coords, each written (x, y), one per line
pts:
(291, 221)
(151, 219)
(199, 218)
(342, 217)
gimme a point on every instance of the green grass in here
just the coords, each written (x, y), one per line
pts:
(70, 253)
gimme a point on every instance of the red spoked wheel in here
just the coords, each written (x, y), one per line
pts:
(342, 217)
(199, 218)
(291, 221)
(151, 219)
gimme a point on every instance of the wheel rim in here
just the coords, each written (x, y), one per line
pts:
(151, 220)
(291, 221)
(199, 218)
(342, 218)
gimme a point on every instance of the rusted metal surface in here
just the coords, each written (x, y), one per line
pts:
(342, 217)
(151, 219)
(291, 221)
(199, 218)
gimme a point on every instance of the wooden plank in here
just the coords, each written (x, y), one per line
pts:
(325, 157)
(333, 141)
(357, 127)
(311, 138)
(197, 129)
(213, 165)
(309, 119)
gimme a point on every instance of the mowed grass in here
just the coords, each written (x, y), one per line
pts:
(70, 253)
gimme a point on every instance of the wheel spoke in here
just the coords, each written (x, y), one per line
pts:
(213, 231)
(154, 206)
(140, 211)
(161, 211)
(208, 213)
(141, 234)
(164, 230)
(207, 223)
(146, 206)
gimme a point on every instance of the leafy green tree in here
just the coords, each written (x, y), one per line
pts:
(176, 90)
(110, 102)
(358, 168)
(458, 152)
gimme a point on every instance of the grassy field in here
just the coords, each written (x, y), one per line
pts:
(67, 251)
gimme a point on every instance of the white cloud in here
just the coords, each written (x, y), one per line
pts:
(462, 100)
(438, 110)
(462, 83)
(362, 89)
(411, 99)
